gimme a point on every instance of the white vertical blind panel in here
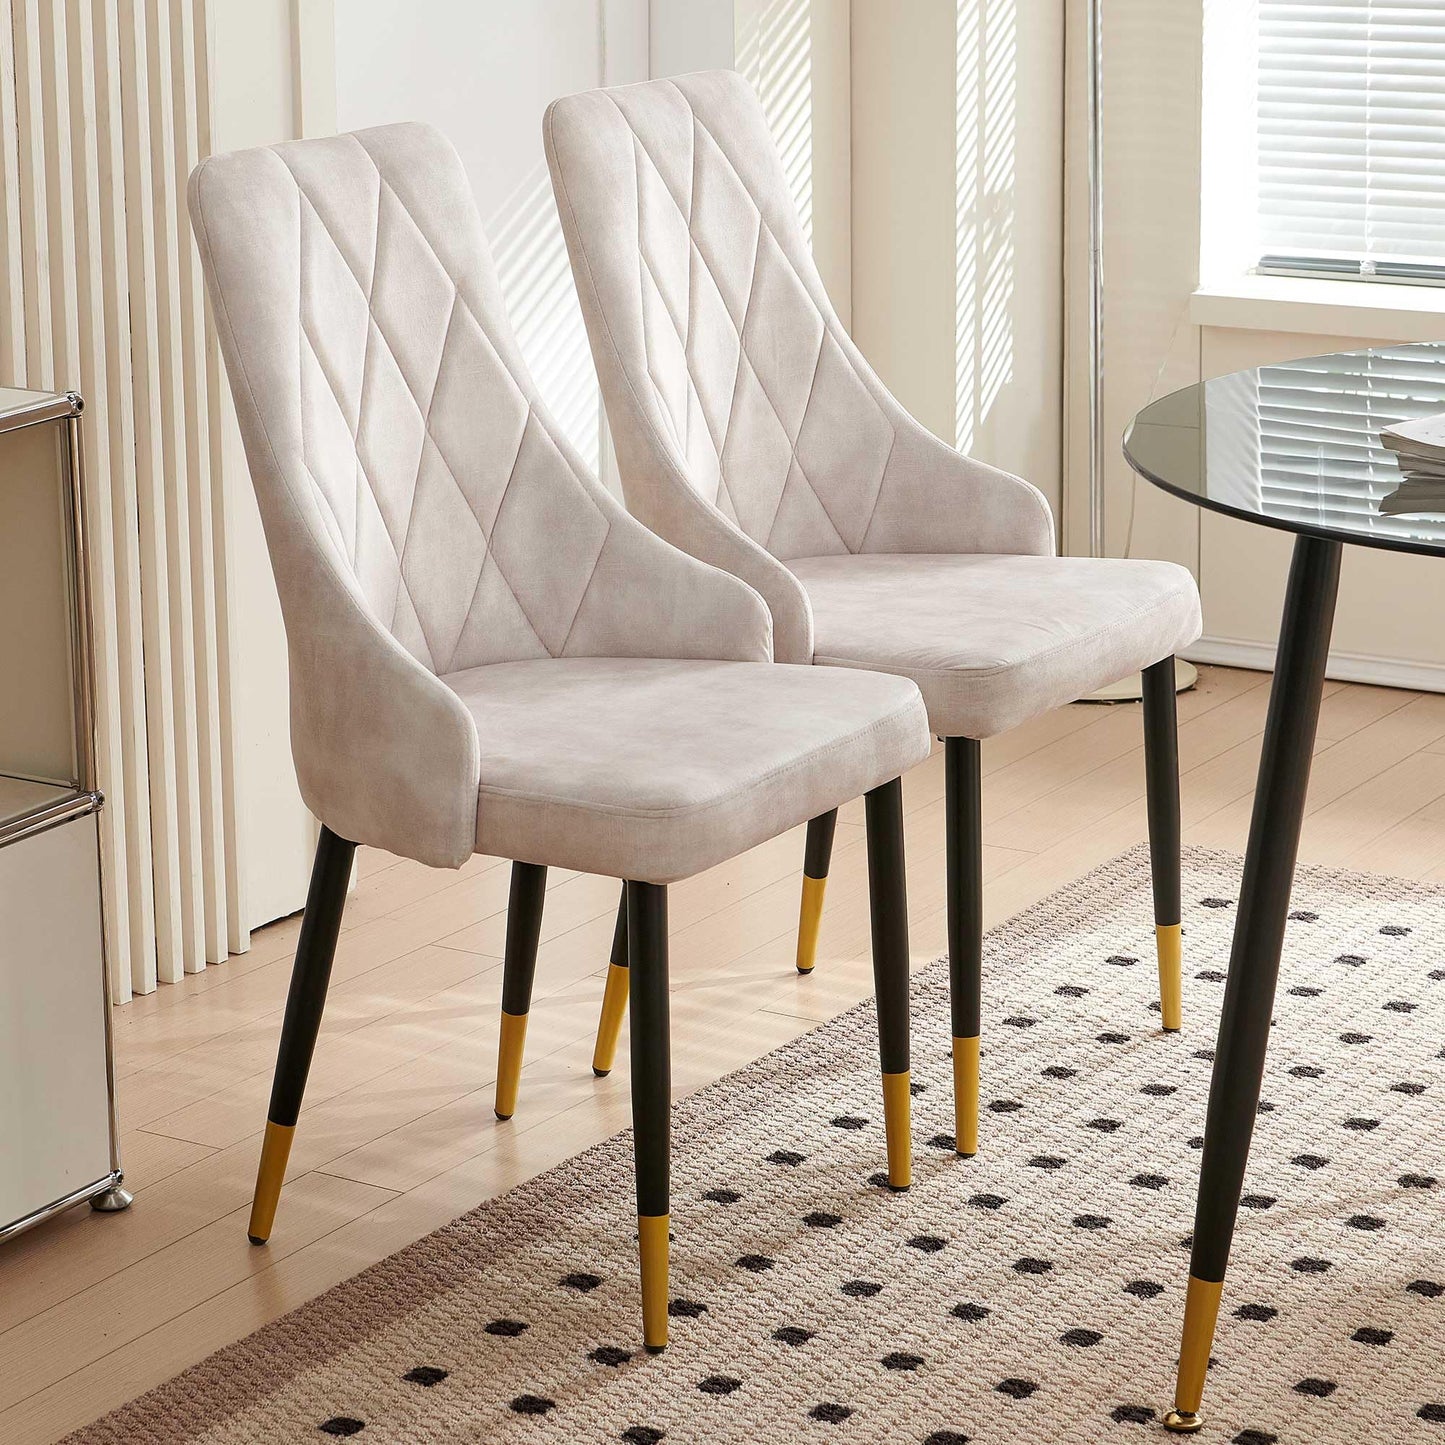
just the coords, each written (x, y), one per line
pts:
(237, 936)
(118, 405)
(12, 271)
(151, 489)
(1352, 128)
(171, 363)
(196, 407)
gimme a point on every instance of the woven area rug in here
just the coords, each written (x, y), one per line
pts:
(1031, 1294)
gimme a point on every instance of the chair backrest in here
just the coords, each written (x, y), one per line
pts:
(712, 330)
(396, 441)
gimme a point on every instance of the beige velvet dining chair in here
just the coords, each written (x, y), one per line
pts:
(488, 654)
(751, 432)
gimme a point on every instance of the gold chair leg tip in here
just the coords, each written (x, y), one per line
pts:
(805, 969)
(256, 1238)
(655, 1349)
(1183, 1422)
(501, 1117)
(600, 1073)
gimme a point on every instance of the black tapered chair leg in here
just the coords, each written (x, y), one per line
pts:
(1161, 776)
(614, 996)
(888, 903)
(963, 827)
(817, 853)
(651, 1096)
(519, 968)
(310, 975)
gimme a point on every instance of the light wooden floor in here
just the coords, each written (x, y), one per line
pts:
(398, 1136)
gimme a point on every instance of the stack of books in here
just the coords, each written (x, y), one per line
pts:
(1419, 448)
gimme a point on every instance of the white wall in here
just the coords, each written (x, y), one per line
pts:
(483, 74)
(957, 261)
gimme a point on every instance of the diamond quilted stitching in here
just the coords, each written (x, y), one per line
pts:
(445, 549)
(550, 595)
(438, 427)
(845, 438)
(755, 313)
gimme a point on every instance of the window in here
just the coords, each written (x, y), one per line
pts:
(1351, 138)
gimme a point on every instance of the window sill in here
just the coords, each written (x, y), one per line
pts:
(1369, 310)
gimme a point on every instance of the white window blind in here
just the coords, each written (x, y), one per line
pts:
(1351, 123)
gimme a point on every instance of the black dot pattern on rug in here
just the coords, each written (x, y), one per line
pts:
(1255, 1437)
(1105, 1126)
(1310, 1161)
(1092, 1221)
(1426, 1287)
(850, 1121)
(1149, 1181)
(1257, 1314)
(821, 1219)
(1131, 1414)
(830, 1413)
(642, 1435)
(1417, 1181)
(583, 1283)
(901, 1360)
(427, 1375)
(718, 1385)
(1047, 1161)
(861, 1288)
(969, 1312)
(988, 1201)
(686, 1309)
(1005, 1106)
(1029, 1265)
(1016, 1389)
(612, 1355)
(342, 1425)
(1081, 1338)
(508, 1329)
(793, 1335)
(1317, 1389)
(756, 1263)
(946, 1437)
(721, 1196)
(790, 1157)
(1144, 1289)
(927, 1243)
(1432, 1412)
(1060, 1071)
(1368, 1335)
(941, 1141)
(532, 1405)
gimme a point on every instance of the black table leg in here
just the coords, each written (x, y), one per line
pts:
(1269, 863)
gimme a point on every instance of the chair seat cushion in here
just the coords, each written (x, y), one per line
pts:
(993, 641)
(654, 770)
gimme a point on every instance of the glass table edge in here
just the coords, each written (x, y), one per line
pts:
(1275, 524)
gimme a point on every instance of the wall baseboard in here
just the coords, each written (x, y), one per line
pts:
(1343, 666)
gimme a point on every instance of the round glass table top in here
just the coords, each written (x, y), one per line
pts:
(1298, 446)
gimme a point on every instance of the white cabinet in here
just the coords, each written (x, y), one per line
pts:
(57, 1119)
